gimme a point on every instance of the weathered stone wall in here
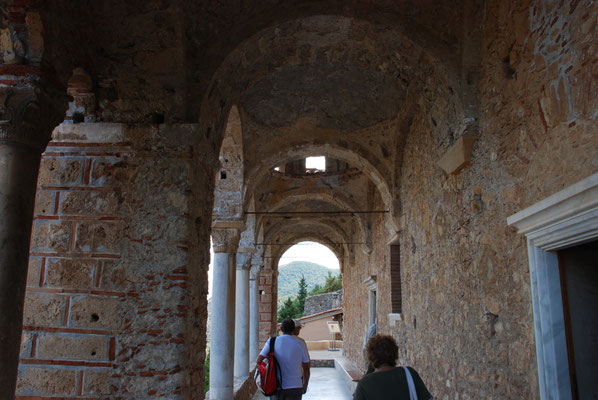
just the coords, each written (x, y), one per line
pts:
(323, 302)
(467, 318)
(229, 182)
(114, 303)
(374, 265)
(117, 289)
(356, 294)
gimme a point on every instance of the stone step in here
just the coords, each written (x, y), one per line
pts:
(322, 363)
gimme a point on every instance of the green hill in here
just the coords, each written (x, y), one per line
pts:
(290, 274)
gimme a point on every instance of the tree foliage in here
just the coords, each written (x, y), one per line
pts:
(294, 307)
(332, 284)
(207, 366)
(288, 310)
(301, 296)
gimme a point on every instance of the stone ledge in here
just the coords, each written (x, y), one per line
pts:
(394, 318)
(89, 132)
(245, 388)
(348, 371)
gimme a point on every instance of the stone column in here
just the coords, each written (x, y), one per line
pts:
(242, 316)
(254, 316)
(225, 238)
(29, 114)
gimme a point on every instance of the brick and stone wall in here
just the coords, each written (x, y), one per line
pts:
(267, 299)
(112, 308)
(116, 293)
(323, 302)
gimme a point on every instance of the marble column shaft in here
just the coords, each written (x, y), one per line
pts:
(242, 316)
(254, 315)
(222, 329)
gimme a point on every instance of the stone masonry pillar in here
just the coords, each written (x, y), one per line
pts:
(29, 114)
(242, 316)
(267, 304)
(254, 316)
(225, 238)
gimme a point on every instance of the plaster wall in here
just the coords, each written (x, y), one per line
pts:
(316, 330)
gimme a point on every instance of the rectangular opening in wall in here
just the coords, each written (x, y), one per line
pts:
(373, 309)
(578, 267)
(315, 164)
(395, 279)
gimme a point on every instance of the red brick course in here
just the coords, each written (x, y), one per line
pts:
(85, 287)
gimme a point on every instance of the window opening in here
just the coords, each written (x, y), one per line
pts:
(373, 306)
(315, 164)
(395, 279)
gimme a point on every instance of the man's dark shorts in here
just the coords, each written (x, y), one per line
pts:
(289, 394)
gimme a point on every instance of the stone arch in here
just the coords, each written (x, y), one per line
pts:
(375, 170)
(228, 200)
(279, 227)
(331, 229)
(382, 50)
(440, 41)
(324, 195)
(248, 236)
(296, 239)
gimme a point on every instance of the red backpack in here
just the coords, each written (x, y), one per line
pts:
(267, 374)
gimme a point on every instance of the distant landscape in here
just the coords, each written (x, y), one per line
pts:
(288, 281)
(290, 274)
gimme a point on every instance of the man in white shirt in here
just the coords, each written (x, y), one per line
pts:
(293, 359)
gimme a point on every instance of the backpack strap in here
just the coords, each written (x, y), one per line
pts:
(272, 341)
(276, 365)
(411, 384)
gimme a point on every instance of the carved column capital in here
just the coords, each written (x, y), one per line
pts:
(29, 114)
(243, 260)
(257, 262)
(226, 235)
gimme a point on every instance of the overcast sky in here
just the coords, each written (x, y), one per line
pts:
(304, 251)
(312, 252)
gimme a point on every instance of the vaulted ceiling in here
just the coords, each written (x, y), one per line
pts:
(336, 78)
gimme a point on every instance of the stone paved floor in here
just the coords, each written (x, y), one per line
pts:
(324, 384)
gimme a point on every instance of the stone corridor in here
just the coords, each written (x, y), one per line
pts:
(460, 188)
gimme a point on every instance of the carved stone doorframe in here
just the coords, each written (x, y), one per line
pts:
(372, 285)
(565, 219)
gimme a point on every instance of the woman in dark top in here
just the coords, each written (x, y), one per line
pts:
(387, 382)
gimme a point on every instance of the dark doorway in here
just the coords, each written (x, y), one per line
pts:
(579, 280)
